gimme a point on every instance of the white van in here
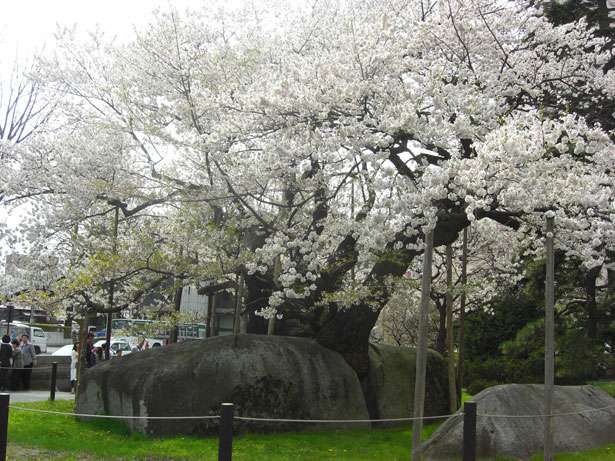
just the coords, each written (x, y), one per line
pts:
(38, 337)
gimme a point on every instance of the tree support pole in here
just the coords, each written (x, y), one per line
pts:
(237, 319)
(549, 338)
(450, 345)
(421, 350)
(462, 309)
(116, 218)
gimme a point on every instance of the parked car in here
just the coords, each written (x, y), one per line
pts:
(64, 351)
(116, 345)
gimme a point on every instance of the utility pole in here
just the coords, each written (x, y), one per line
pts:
(421, 349)
(116, 218)
(549, 337)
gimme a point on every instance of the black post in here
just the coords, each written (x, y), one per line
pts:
(469, 431)
(52, 385)
(225, 444)
(4, 424)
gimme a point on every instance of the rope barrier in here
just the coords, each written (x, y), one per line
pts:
(288, 420)
(338, 421)
(241, 418)
(580, 412)
(83, 415)
(27, 368)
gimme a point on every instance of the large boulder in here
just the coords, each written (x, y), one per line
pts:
(390, 382)
(520, 438)
(264, 376)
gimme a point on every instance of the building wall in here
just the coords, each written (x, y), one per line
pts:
(193, 303)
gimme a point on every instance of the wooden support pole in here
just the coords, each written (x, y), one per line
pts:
(462, 310)
(421, 349)
(111, 302)
(237, 315)
(549, 337)
(271, 326)
(450, 344)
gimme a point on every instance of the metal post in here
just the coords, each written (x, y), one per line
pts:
(4, 424)
(225, 443)
(549, 337)
(52, 385)
(421, 349)
(469, 431)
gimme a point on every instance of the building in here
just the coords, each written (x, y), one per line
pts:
(196, 302)
(19, 312)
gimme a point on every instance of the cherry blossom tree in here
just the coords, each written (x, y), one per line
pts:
(325, 141)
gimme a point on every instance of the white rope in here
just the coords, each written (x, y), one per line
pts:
(241, 418)
(337, 421)
(82, 415)
(580, 412)
(286, 420)
(28, 368)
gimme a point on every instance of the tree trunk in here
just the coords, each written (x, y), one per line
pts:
(604, 20)
(271, 326)
(177, 302)
(347, 332)
(82, 363)
(209, 332)
(440, 345)
(593, 316)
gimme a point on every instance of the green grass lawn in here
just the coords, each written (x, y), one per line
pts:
(107, 440)
(607, 386)
(34, 436)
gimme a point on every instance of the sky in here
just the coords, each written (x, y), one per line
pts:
(27, 27)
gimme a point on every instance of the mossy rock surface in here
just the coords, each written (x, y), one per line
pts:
(264, 376)
(390, 383)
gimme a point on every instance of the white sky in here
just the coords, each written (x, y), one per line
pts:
(26, 25)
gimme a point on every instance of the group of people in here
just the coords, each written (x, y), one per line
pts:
(17, 358)
(97, 354)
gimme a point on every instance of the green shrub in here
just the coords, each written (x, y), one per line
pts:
(480, 384)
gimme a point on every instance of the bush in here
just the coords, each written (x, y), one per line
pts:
(480, 384)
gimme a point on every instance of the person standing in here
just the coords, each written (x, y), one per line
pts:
(17, 370)
(90, 355)
(142, 345)
(28, 355)
(74, 360)
(6, 354)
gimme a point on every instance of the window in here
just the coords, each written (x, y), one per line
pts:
(39, 333)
